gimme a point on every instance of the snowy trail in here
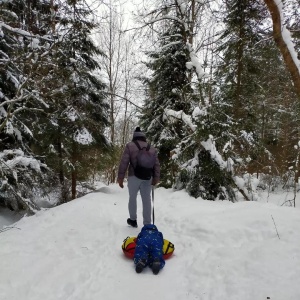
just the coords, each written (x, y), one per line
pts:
(229, 249)
(223, 251)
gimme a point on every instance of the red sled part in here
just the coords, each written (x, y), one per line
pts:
(129, 245)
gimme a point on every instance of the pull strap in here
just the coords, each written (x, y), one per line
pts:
(153, 204)
(170, 245)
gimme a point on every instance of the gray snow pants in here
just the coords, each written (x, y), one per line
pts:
(144, 186)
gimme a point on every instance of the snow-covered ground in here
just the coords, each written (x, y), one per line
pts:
(8, 217)
(223, 250)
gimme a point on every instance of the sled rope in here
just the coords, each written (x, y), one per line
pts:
(153, 204)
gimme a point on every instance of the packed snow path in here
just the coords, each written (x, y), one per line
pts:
(223, 251)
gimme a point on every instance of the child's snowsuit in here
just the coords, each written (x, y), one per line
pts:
(149, 245)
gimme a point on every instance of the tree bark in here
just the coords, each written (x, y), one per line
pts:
(278, 38)
(74, 171)
(238, 106)
(60, 161)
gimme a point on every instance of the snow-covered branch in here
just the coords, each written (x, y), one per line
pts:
(22, 32)
(156, 20)
(166, 17)
(284, 42)
(210, 146)
(195, 63)
(180, 115)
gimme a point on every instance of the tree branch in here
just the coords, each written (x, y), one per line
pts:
(278, 29)
(124, 98)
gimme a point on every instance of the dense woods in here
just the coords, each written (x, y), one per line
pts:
(214, 84)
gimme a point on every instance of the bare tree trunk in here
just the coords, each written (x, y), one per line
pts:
(52, 16)
(74, 171)
(74, 182)
(192, 24)
(125, 124)
(279, 40)
(60, 163)
(240, 53)
(61, 174)
(111, 80)
(238, 106)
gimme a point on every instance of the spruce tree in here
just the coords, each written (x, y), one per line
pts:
(23, 41)
(77, 115)
(174, 104)
(168, 88)
(251, 81)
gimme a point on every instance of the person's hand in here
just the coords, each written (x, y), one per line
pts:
(154, 181)
(120, 182)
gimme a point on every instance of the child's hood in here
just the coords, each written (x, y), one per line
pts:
(150, 227)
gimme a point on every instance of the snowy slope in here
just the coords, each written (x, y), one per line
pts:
(224, 251)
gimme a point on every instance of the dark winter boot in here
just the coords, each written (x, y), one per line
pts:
(132, 223)
(156, 266)
(140, 265)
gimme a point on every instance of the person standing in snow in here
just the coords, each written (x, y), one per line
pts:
(149, 249)
(129, 161)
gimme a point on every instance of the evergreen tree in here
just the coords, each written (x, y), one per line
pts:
(23, 40)
(77, 114)
(251, 83)
(168, 88)
(236, 43)
(172, 113)
(238, 79)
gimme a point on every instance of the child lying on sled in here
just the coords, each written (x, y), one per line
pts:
(149, 249)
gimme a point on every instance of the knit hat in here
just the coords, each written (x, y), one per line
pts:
(138, 133)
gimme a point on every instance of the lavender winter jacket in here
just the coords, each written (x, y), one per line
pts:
(129, 157)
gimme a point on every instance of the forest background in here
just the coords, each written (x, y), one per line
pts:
(214, 84)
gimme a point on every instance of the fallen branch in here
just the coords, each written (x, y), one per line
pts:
(275, 226)
(9, 228)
